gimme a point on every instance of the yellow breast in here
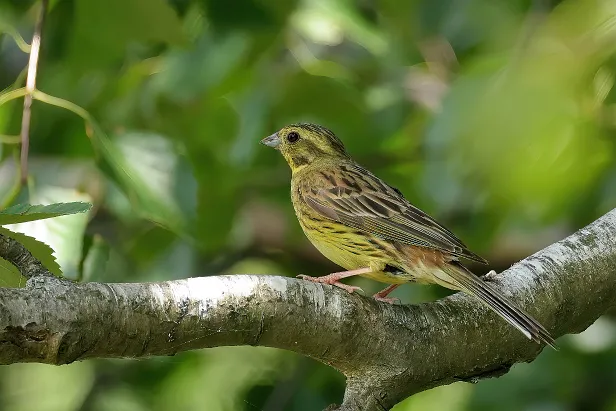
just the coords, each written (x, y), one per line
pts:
(336, 243)
(343, 245)
(346, 247)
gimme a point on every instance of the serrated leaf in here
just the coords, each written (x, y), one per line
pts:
(38, 249)
(64, 233)
(21, 213)
(10, 275)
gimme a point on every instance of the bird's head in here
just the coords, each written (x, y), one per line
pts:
(301, 144)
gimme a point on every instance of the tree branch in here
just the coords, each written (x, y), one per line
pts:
(387, 352)
(18, 255)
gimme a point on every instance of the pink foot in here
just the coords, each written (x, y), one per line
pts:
(388, 300)
(350, 288)
(331, 281)
(382, 295)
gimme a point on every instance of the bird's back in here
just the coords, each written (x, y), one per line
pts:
(341, 191)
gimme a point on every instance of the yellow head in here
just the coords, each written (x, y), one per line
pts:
(301, 144)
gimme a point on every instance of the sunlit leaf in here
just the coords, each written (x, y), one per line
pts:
(344, 15)
(528, 139)
(64, 233)
(152, 175)
(21, 213)
(603, 83)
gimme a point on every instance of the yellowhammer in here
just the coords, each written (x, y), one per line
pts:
(369, 228)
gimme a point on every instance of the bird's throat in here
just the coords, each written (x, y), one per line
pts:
(298, 161)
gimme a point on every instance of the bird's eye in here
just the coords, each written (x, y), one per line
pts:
(292, 137)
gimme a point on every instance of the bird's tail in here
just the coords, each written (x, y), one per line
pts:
(458, 277)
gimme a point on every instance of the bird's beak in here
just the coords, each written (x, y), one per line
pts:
(271, 141)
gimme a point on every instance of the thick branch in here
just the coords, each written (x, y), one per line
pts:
(387, 352)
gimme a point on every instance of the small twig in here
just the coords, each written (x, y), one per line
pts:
(30, 87)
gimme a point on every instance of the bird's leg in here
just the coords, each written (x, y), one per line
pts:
(334, 278)
(382, 295)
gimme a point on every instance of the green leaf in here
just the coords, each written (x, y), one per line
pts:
(10, 275)
(64, 233)
(95, 263)
(21, 213)
(199, 128)
(151, 174)
(38, 249)
(186, 74)
(122, 22)
(239, 14)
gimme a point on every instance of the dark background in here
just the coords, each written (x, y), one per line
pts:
(497, 118)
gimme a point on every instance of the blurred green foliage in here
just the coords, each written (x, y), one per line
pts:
(498, 118)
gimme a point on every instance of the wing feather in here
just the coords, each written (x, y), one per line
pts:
(361, 200)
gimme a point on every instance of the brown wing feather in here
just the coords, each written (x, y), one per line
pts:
(361, 200)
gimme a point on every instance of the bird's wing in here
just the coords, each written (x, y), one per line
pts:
(357, 198)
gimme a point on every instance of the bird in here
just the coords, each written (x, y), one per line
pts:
(370, 229)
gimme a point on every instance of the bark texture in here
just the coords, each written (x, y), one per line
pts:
(387, 352)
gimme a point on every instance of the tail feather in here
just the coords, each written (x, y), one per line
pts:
(468, 282)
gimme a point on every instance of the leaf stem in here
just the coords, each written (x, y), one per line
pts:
(21, 43)
(60, 102)
(12, 95)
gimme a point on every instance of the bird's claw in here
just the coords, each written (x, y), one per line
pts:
(350, 288)
(388, 300)
(325, 280)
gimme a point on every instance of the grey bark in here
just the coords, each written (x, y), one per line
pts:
(387, 352)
